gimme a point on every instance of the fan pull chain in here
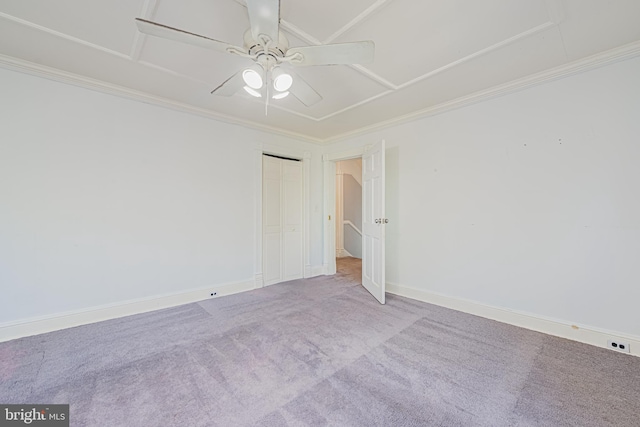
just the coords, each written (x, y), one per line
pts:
(267, 86)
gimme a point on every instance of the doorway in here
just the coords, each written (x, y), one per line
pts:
(373, 212)
(349, 217)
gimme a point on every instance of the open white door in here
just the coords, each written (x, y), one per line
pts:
(373, 221)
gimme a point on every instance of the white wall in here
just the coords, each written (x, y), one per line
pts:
(529, 202)
(351, 167)
(348, 207)
(352, 211)
(105, 200)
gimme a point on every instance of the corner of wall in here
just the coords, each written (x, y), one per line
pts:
(586, 335)
(41, 325)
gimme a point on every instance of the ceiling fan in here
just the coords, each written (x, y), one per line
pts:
(270, 76)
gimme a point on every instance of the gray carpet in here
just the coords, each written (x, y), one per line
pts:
(319, 351)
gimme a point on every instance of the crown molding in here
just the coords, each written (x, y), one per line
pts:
(395, 87)
(356, 20)
(601, 59)
(344, 155)
(148, 11)
(60, 35)
(61, 76)
(555, 10)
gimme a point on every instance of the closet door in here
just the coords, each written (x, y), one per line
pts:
(282, 220)
(292, 262)
(271, 220)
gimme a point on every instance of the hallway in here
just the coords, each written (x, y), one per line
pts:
(349, 267)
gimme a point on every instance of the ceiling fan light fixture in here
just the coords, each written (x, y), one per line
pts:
(251, 91)
(280, 95)
(252, 78)
(282, 82)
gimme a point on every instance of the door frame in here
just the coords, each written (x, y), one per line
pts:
(329, 171)
(305, 158)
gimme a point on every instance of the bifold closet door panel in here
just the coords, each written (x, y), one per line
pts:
(283, 225)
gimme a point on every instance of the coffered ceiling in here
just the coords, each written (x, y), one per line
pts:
(430, 54)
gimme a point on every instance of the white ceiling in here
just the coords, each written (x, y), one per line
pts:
(430, 54)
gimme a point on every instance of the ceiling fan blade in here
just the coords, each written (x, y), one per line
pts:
(175, 34)
(264, 16)
(303, 91)
(230, 86)
(331, 54)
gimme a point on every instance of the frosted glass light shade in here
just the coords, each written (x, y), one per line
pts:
(252, 92)
(252, 78)
(282, 82)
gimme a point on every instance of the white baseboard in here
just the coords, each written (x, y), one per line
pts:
(40, 325)
(343, 253)
(317, 270)
(325, 269)
(584, 334)
(259, 281)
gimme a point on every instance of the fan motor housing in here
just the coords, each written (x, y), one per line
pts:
(269, 55)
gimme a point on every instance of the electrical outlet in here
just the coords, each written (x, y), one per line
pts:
(618, 346)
